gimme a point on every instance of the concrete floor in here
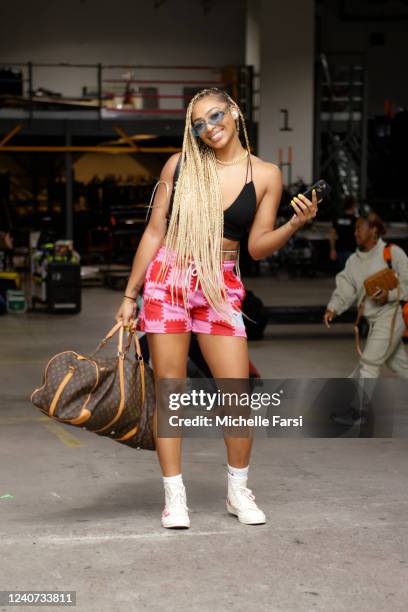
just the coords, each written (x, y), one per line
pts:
(84, 512)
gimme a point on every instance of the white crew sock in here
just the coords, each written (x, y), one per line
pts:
(237, 477)
(173, 480)
(173, 489)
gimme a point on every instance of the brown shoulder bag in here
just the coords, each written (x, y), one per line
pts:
(385, 279)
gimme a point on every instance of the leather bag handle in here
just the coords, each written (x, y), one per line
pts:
(133, 336)
(109, 335)
(138, 350)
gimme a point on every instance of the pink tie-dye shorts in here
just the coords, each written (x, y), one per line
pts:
(159, 315)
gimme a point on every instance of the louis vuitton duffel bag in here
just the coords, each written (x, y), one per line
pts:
(112, 397)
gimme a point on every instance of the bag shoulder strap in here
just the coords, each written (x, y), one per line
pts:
(387, 254)
(175, 179)
(388, 259)
(150, 205)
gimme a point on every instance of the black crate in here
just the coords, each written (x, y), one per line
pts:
(63, 287)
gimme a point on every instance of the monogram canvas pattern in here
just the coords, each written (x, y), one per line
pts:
(102, 395)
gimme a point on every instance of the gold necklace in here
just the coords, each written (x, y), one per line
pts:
(237, 160)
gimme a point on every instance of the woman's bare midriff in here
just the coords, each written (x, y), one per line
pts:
(227, 245)
(230, 245)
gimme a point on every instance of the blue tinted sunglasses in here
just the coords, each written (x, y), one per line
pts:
(215, 118)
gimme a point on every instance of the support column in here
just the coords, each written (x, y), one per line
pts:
(253, 50)
(69, 207)
(286, 32)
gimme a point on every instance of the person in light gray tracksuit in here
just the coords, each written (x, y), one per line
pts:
(382, 346)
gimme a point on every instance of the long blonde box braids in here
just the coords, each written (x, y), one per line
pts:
(196, 226)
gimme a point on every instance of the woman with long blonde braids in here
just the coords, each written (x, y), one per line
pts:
(188, 261)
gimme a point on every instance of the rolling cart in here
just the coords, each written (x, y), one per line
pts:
(56, 278)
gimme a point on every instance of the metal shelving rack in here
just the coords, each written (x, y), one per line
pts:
(341, 124)
(70, 127)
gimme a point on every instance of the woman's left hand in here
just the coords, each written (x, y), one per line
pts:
(380, 297)
(305, 209)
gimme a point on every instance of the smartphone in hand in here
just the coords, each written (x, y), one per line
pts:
(322, 188)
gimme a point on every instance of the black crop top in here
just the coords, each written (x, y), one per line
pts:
(239, 215)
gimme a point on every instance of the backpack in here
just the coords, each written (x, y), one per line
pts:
(175, 179)
(253, 307)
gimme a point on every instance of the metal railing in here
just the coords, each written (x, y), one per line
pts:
(117, 89)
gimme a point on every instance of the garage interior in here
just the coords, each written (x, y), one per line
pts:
(92, 104)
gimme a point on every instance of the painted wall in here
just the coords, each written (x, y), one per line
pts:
(287, 73)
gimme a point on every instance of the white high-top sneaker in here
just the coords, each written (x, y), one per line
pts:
(175, 513)
(241, 503)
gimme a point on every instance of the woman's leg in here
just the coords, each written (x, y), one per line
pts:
(380, 345)
(169, 360)
(398, 359)
(398, 362)
(227, 357)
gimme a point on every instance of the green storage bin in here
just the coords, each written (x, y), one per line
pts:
(16, 302)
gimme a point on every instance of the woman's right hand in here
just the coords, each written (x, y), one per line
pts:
(328, 317)
(127, 311)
